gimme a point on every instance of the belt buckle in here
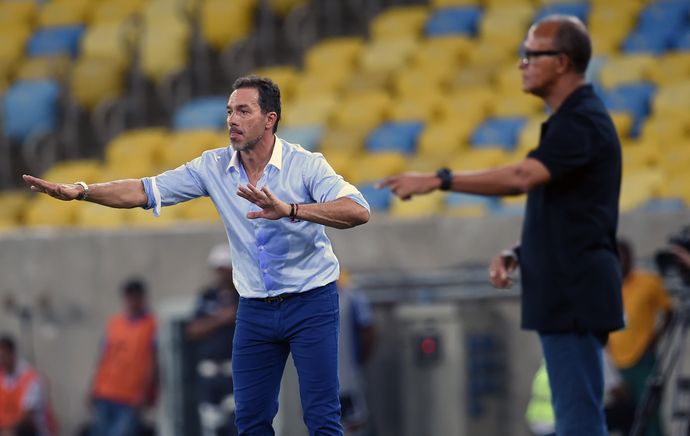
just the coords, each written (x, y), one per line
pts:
(270, 300)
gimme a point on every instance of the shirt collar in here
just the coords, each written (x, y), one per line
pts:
(276, 157)
(575, 97)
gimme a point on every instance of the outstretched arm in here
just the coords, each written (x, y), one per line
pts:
(342, 213)
(122, 194)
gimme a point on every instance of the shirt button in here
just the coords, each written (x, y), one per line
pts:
(263, 248)
(266, 271)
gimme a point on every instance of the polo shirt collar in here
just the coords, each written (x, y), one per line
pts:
(276, 157)
(576, 96)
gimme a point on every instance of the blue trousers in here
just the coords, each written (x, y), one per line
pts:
(306, 325)
(115, 419)
(575, 367)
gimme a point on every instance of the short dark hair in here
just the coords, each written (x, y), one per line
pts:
(7, 343)
(134, 287)
(572, 39)
(269, 94)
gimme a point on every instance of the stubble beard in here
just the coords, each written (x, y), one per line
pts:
(247, 145)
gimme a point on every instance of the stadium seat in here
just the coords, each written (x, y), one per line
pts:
(345, 140)
(387, 55)
(468, 205)
(379, 199)
(529, 135)
(215, 15)
(137, 152)
(30, 108)
(443, 51)
(43, 68)
(202, 113)
(396, 23)
(453, 21)
(671, 68)
(632, 98)
(613, 19)
(334, 54)
(45, 211)
(164, 50)
(675, 159)
(308, 111)
(63, 13)
(418, 82)
(672, 99)
(509, 206)
(18, 13)
(12, 206)
(96, 80)
(200, 209)
(306, 136)
(497, 132)
(623, 122)
(626, 69)
(315, 84)
(426, 108)
(86, 170)
(13, 38)
(518, 105)
(447, 3)
(508, 80)
(579, 9)
(479, 159)
(472, 77)
(672, 204)
(472, 104)
(664, 14)
(365, 82)
(186, 145)
(419, 206)
(49, 41)
(638, 187)
(655, 41)
(398, 137)
(106, 41)
(445, 139)
(510, 19)
(116, 11)
(285, 76)
(489, 53)
(677, 186)
(146, 219)
(363, 111)
(666, 131)
(638, 157)
(95, 216)
(371, 168)
(284, 7)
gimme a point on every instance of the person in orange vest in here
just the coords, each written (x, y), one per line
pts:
(125, 381)
(25, 407)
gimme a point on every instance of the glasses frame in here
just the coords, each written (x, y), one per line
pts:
(527, 54)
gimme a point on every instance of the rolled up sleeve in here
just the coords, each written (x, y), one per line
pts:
(175, 186)
(325, 184)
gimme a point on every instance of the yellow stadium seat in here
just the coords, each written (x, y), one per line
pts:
(528, 138)
(95, 216)
(626, 69)
(479, 159)
(18, 13)
(496, 4)
(322, 83)
(368, 82)
(419, 206)
(623, 122)
(671, 99)
(492, 54)
(507, 19)
(12, 206)
(284, 7)
(13, 38)
(371, 167)
(95, 80)
(472, 104)
(518, 104)
(187, 145)
(427, 163)
(448, 3)
(309, 111)
(395, 23)
(677, 186)
(364, 110)
(612, 18)
(44, 67)
(421, 81)
(471, 77)
(215, 16)
(671, 68)
(427, 108)
(86, 170)
(64, 13)
(444, 51)
(636, 157)
(285, 76)
(164, 50)
(136, 152)
(676, 161)
(667, 130)
(606, 43)
(334, 54)
(444, 140)
(116, 11)
(343, 162)
(199, 209)
(508, 80)
(639, 186)
(46, 211)
(344, 140)
(145, 218)
(159, 13)
(106, 41)
(387, 55)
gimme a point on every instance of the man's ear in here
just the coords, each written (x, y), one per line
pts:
(564, 63)
(271, 119)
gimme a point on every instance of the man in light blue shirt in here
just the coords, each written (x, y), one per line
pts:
(274, 199)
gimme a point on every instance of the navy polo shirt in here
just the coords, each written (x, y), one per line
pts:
(571, 279)
(217, 345)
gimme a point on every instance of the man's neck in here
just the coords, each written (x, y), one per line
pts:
(256, 159)
(562, 90)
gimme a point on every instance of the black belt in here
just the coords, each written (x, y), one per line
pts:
(279, 298)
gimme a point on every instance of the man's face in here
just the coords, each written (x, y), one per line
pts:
(134, 303)
(246, 123)
(542, 70)
(6, 359)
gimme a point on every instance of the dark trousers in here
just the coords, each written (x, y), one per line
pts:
(306, 325)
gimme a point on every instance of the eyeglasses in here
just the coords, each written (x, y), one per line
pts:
(529, 54)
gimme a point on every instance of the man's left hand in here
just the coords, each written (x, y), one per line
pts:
(409, 184)
(271, 207)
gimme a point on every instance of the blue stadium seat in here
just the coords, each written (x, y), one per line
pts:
(680, 40)
(579, 9)
(396, 137)
(502, 208)
(498, 131)
(669, 15)
(30, 108)
(454, 21)
(664, 205)
(49, 41)
(633, 98)
(308, 137)
(454, 199)
(653, 40)
(202, 113)
(378, 199)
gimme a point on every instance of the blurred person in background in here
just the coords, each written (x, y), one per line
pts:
(275, 199)
(357, 340)
(25, 406)
(633, 349)
(126, 381)
(212, 329)
(570, 273)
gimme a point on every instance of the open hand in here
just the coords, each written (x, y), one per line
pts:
(56, 190)
(271, 207)
(409, 184)
(500, 269)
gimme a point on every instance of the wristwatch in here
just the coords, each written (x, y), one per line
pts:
(446, 177)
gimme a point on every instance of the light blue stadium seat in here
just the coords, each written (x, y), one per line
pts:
(378, 199)
(202, 113)
(308, 137)
(498, 131)
(579, 9)
(455, 199)
(453, 21)
(30, 108)
(502, 208)
(680, 40)
(396, 137)
(632, 98)
(664, 205)
(669, 14)
(49, 41)
(653, 40)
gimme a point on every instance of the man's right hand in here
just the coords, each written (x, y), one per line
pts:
(56, 190)
(502, 265)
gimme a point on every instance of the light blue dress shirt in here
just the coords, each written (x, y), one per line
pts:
(270, 257)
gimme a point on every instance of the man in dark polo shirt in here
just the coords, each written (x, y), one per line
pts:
(571, 282)
(212, 328)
